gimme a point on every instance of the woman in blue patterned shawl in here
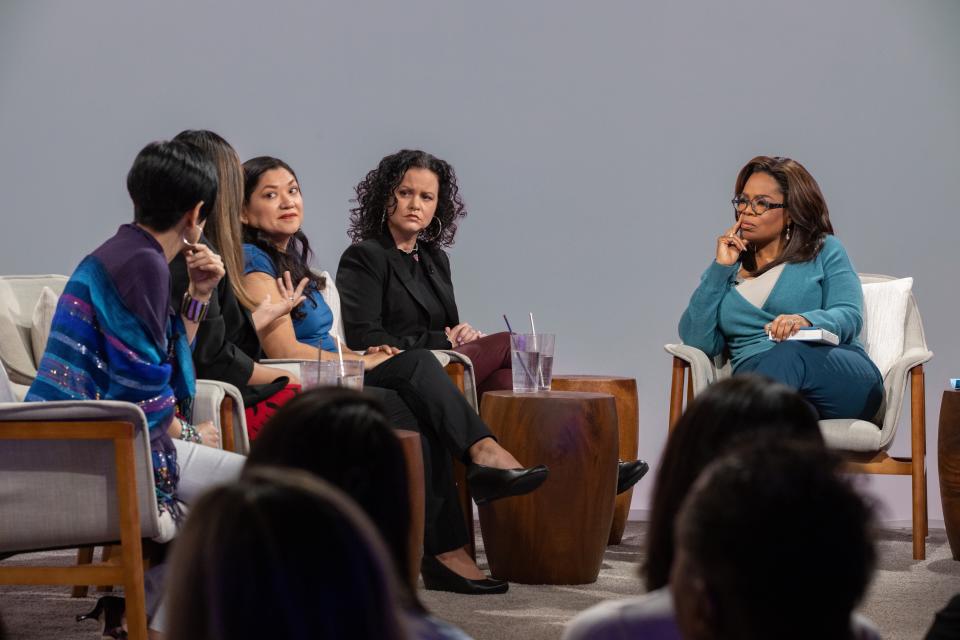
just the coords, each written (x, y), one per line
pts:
(115, 335)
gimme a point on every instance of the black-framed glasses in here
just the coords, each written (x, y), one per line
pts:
(759, 205)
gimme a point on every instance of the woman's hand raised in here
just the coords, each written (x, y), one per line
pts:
(730, 246)
(290, 297)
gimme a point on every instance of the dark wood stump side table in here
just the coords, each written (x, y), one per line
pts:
(948, 462)
(624, 391)
(558, 533)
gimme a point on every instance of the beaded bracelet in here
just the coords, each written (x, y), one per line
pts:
(192, 309)
(189, 432)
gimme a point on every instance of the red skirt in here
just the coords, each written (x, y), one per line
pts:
(258, 414)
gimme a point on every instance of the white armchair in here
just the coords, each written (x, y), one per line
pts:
(862, 443)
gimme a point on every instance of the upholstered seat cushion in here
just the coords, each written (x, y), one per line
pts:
(62, 492)
(850, 435)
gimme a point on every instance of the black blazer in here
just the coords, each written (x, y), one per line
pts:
(379, 303)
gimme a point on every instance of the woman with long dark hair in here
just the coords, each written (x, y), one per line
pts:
(281, 554)
(777, 270)
(342, 436)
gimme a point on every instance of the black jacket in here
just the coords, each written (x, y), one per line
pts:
(379, 303)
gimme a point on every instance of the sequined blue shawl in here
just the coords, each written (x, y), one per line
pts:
(99, 350)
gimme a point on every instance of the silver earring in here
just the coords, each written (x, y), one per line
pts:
(436, 235)
(383, 220)
(789, 226)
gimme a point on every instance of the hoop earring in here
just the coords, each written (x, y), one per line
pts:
(436, 235)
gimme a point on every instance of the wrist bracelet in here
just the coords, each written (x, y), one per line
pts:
(189, 432)
(192, 309)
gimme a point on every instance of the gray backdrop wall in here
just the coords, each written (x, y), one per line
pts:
(596, 143)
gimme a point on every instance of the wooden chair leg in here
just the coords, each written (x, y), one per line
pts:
(918, 458)
(226, 424)
(676, 390)
(84, 556)
(131, 547)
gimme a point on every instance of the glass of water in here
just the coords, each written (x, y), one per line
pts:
(532, 359)
(333, 373)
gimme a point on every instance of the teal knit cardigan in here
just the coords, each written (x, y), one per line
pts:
(826, 291)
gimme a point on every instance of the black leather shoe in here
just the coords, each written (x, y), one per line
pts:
(629, 474)
(489, 483)
(437, 577)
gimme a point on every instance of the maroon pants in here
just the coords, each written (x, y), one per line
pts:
(491, 362)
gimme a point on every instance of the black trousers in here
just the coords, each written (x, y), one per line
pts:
(418, 395)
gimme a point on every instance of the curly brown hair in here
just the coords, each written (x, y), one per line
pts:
(375, 198)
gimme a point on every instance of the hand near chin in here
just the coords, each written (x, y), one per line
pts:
(205, 269)
(730, 245)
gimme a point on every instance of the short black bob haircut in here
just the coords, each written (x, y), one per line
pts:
(167, 180)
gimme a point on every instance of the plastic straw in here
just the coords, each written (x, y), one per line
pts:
(533, 330)
(520, 360)
(343, 373)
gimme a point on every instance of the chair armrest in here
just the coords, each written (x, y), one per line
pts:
(287, 364)
(894, 390)
(447, 356)
(703, 369)
(208, 405)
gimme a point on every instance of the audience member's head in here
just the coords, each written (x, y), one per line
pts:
(726, 413)
(280, 554)
(341, 436)
(223, 226)
(772, 542)
(167, 181)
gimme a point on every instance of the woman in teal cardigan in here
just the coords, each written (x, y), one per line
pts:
(780, 269)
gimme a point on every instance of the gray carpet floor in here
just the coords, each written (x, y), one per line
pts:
(902, 600)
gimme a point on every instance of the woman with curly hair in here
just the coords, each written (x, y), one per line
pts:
(394, 281)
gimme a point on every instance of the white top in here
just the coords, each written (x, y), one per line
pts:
(757, 290)
(651, 617)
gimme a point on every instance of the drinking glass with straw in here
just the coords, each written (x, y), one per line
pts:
(523, 366)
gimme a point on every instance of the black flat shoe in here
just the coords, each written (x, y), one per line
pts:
(111, 608)
(629, 474)
(489, 483)
(437, 577)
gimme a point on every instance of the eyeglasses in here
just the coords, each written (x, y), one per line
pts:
(759, 205)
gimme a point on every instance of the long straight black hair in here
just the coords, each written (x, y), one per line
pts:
(297, 256)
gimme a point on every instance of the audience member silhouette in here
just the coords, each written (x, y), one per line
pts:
(281, 554)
